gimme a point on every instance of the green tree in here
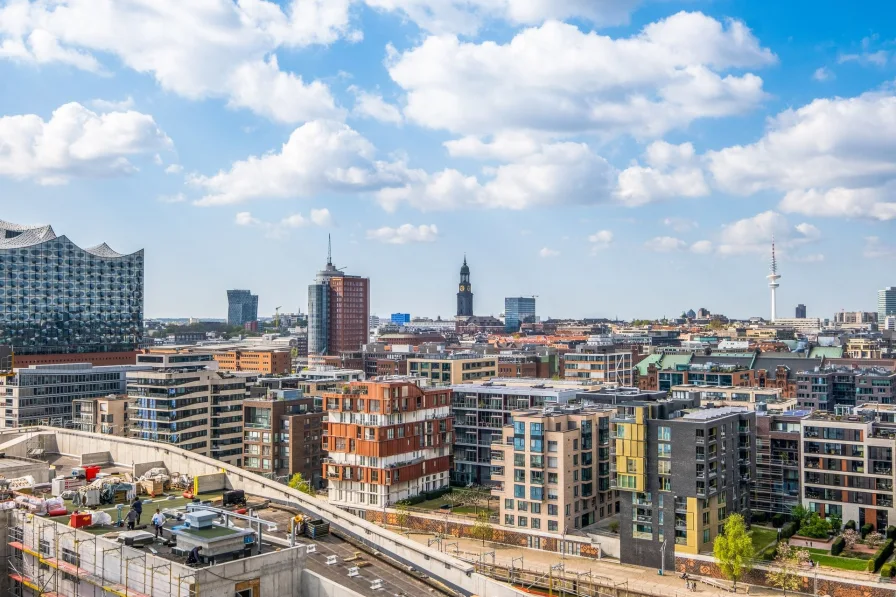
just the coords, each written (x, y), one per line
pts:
(483, 529)
(784, 572)
(800, 513)
(299, 483)
(836, 522)
(402, 514)
(815, 526)
(733, 549)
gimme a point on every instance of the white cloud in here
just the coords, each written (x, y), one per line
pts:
(702, 247)
(832, 157)
(506, 146)
(319, 157)
(372, 105)
(467, 16)
(875, 248)
(878, 58)
(672, 171)
(174, 169)
(665, 244)
(177, 198)
(101, 105)
(76, 142)
(546, 252)
(318, 217)
(559, 173)
(556, 78)
(755, 235)
(216, 48)
(601, 237)
(823, 73)
(404, 234)
(680, 224)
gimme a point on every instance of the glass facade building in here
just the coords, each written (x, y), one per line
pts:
(242, 307)
(517, 311)
(886, 303)
(57, 298)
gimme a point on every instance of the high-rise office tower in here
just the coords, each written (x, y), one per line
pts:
(464, 292)
(801, 311)
(60, 303)
(338, 311)
(242, 307)
(517, 311)
(886, 303)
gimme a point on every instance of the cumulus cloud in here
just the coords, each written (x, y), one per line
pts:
(506, 146)
(174, 169)
(665, 244)
(467, 16)
(404, 234)
(372, 105)
(755, 235)
(680, 224)
(318, 217)
(101, 105)
(546, 252)
(217, 48)
(671, 171)
(601, 238)
(319, 156)
(823, 73)
(702, 247)
(558, 79)
(832, 157)
(76, 142)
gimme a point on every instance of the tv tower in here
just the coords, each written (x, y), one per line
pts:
(773, 278)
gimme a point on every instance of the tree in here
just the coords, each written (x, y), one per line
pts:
(815, 526)
(784, 573)
(299, 483)
(850, 537)
(614, 526)
(402, 515)
(874, 540)
(733, 549)
(836, 522)
(482, 529)
(800, 513)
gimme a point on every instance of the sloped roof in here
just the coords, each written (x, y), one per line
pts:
(103, 250)
(653, 359)
(16, 236)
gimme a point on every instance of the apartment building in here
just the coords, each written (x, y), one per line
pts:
(454, 368)
(108, 415)
(387, 440)
(553, 469)
(527, 365)
(481, 411)
(262, 361)
(837, 387)
(282, 434)
(603, 363)
(863, 348)
(778, 449)
(753, 398)
(680, 471)
(44, 394)
(847, 464)
(183, 400)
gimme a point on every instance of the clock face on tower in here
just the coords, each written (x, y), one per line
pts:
(464, 288)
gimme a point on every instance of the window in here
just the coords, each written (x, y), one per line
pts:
(508, 504)
(706, 535)
(664, 467)
(508, 519)
(519, 428)
(519, 460)
(552, 447)
(536, 523)
(522, 521)
(536, 508)
(536, 493)
(522, 506)
(706, 518)
(664, 433)
(552, 477)
(519, 491)
(552, 525)
(665, 484)
(664, 450)
(552, 510)
(552, 461)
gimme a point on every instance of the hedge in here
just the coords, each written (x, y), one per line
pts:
(790, 529)
(769, 553)
(887, 570)
(866, 528)
(881, 556)
(778, 521)
(891, 532)
(838, 546)
(850, 524)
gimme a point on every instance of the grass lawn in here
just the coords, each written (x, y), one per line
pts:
(462, 510)
(847, 555)
(838, 562)
(433, 504)
(762, 538)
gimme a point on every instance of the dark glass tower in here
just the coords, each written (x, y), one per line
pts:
(465, 292)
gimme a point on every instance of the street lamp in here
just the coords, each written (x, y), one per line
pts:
(663, 558)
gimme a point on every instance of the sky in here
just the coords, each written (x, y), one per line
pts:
(615, 158)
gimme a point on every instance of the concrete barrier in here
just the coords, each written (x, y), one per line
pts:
(140, 468)
(209, 482)
(96, 458)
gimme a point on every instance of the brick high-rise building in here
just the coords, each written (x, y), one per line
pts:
(338, 312)
(387, 441)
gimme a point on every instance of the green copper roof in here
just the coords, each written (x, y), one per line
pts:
(828, 352)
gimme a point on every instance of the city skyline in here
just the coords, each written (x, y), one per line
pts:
(415, 132)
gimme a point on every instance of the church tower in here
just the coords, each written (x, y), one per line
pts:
(465, 292)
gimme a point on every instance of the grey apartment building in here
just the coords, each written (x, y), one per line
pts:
(480, 413)
(680, 471)
(833, 387)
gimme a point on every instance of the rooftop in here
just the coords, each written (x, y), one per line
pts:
(707, 414)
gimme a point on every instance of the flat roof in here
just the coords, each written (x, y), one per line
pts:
(706, 414)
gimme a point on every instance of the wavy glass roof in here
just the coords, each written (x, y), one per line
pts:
(16, 236)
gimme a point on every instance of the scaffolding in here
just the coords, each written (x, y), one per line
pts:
(47, 559)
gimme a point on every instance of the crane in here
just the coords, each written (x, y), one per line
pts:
(277, 317)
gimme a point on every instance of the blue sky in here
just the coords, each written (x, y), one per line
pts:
(615, 158)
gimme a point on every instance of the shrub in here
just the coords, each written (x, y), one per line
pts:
(778, 521)
(789, 529)
(887, 570)
(891, 532)
(874, 540)
(866, 528)
(614, 526)
(769, 553)
(836, 522)
(837, 546)
(815, 527)
(850, 537)
(758, 517)
(850, 525)
(880, 556)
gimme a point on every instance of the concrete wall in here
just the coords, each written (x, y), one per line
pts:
(127, 451)
(21, 468)
(96, 458)
(140, 468)
(314, 585)
(209, 482)
(278, 573)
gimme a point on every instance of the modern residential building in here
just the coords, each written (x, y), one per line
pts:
(552, 466)
(805, 325)
(752, 398)
(604, 363)
(835, 387)
(242, 307)
(481, 411)
(400, 318)
(108, 415)
(680, 471)
(60, 303)
(847, 464)
(863, 348)
(454, 368)
(43, 394)
(262, 361)
(886, 302)
(282, 436)
(338, 312)
(544, 365)
(517, 311)
(465, 292)
(183, 400)
(800, 311)
(855, 317)
(776, 489)
(386, 441)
